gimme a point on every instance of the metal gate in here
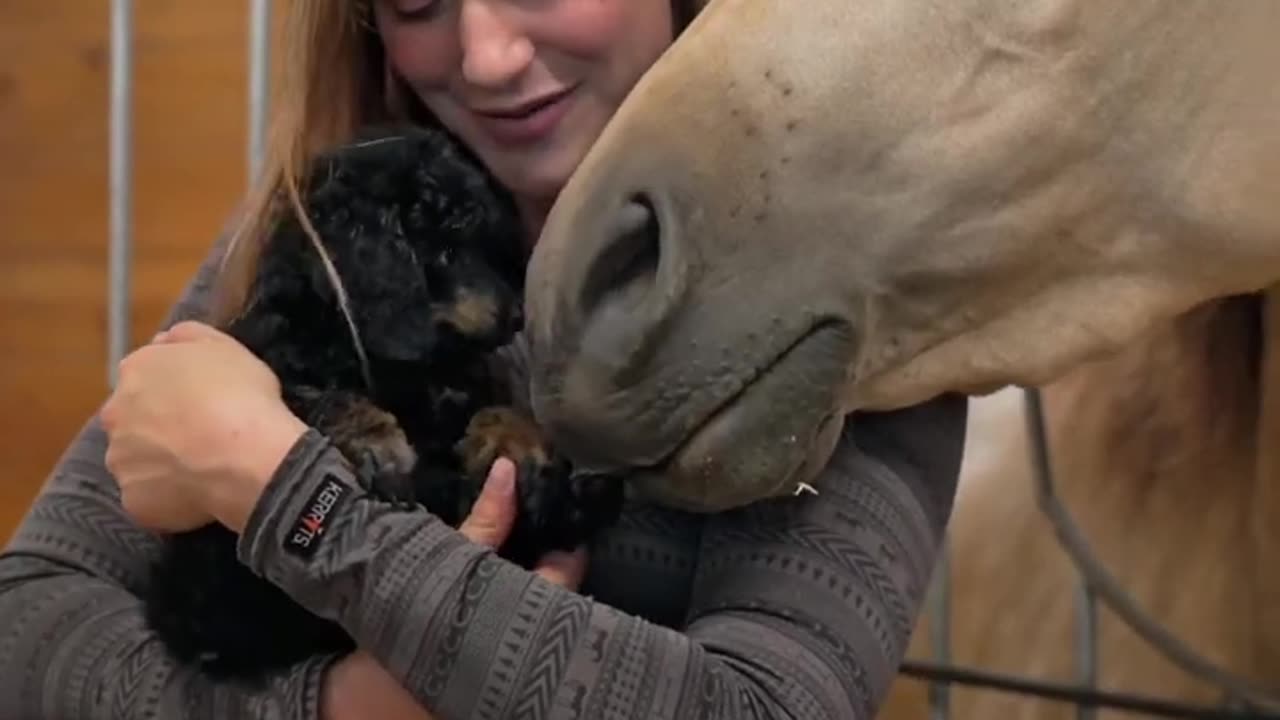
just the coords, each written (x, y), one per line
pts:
(120, 138)
(1242, 699)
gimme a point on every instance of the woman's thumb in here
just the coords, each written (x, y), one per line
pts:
(494, 511)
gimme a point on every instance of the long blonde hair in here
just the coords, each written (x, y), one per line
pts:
(334, 80)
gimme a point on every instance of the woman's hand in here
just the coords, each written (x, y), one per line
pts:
(358, 688)
(196, 428)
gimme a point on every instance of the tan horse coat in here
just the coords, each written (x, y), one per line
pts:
(1154, 454)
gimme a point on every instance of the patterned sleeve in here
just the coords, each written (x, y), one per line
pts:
(73, 643)
(802, 607)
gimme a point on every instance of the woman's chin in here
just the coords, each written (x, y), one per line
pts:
(537, 171)
(534, 181)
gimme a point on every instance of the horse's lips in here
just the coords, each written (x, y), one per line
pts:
(774, 434)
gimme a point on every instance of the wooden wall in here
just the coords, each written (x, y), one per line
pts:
(190, 138)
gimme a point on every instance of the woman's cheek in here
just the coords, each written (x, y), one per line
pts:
(422, 54)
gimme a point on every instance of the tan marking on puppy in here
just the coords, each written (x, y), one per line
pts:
(472, 314)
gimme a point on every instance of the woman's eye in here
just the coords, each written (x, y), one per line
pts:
(414, 9)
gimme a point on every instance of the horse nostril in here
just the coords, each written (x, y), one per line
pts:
(628, 262)
(634, 216)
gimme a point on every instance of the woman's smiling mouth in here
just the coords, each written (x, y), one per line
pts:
(527, 122)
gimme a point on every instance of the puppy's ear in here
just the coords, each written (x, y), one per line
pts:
(388, 297)
(398, 330)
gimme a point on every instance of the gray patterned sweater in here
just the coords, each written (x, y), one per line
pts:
(797, 608)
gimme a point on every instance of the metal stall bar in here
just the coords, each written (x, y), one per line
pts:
(1086, 641)
(259, 83)
(940, 631)
(1101, 583)
(1086, 644)
(1244, 698)
(120, 183)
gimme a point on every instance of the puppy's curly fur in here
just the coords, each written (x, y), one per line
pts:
(428, 259)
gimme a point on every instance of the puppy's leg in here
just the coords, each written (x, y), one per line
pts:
(367, 435)
(557, 509)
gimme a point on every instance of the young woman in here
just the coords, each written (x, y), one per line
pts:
(799, 608)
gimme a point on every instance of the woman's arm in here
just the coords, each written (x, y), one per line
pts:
(806, 607)
(803, 606)
(73, 644)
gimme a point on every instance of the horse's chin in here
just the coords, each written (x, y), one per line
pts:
(772, 438)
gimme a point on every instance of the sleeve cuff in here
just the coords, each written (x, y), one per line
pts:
(317, 534)
(298, 510)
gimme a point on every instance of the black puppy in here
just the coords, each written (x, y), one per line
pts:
(423, 265)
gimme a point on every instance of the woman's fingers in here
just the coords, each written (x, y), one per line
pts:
(195, 428)
(494, 511)
(562, 568)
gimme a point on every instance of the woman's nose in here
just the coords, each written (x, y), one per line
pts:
(495, 49)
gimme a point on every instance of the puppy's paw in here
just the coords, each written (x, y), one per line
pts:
(373, 441)
(594, 502)
(557, 509)
(559, 512)
(501, 431)
(384, 472)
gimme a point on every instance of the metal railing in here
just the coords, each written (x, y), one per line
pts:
(1093, 582)
(1242, 698)
(120, 254)
(121, 185)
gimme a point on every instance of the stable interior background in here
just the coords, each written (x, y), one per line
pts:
(190, 157)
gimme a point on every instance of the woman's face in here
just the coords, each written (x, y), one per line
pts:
(528, 84)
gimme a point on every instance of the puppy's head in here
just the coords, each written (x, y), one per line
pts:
(429, 251)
